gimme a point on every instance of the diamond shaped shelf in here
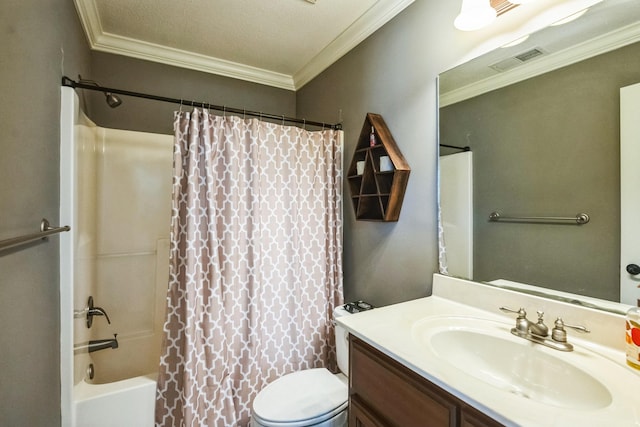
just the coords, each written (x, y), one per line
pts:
(377, 194)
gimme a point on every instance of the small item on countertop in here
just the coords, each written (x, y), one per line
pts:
(357, 306)
(633, 337)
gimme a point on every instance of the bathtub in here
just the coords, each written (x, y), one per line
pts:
(125, 403)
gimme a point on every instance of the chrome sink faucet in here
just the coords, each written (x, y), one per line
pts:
(539, 332)
(525, 326)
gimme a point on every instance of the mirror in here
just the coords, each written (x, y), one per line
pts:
(541, 120)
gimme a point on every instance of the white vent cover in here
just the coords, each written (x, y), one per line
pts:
(521, 58)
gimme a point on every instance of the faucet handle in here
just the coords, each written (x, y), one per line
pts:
(522, 323)
(559, 332)
(95, 311)
(578, 328)
(521, 313)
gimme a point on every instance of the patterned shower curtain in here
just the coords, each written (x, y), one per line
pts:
(256, 263)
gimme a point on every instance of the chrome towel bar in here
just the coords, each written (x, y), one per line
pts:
(45, 230)
(580, 219)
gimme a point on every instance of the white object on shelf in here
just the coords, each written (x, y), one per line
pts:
(385, 164)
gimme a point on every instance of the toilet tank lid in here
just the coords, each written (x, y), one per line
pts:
(300, 396)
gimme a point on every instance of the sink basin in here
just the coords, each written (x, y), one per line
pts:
(486, 350)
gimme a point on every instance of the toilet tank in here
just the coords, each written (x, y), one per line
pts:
(342, 341)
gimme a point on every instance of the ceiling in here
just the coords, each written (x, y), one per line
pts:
(280, 43)
(605, 26)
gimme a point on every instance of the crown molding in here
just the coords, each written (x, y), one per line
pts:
(90, 19)
(179, 58)
(596, 46)
(373, 19)
(366, 25)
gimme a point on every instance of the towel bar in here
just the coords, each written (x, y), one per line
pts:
(580, 219)
(45, 230)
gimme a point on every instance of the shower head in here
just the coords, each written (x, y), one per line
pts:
(113, 100)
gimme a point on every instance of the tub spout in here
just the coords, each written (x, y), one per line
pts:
(97, 345)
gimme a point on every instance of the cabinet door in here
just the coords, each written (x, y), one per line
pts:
(470, 417)
(359, 416)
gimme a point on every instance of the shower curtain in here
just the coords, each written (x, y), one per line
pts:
(256, 263)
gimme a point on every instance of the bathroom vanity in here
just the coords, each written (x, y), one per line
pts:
(451, 360)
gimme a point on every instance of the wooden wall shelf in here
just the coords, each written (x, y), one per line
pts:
(377, 195)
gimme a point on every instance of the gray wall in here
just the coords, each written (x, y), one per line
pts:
(549, 146)
(393, 73)
(41, 40)
(153, 78)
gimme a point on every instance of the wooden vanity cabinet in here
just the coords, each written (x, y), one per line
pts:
(384, 393)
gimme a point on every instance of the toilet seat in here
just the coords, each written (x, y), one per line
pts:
(300, 399)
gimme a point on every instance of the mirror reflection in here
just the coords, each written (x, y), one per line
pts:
(542, 123)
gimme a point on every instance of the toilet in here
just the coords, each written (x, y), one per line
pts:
(312, 397)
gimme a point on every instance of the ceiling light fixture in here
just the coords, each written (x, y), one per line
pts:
(474, 15)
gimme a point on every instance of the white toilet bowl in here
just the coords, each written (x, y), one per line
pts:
(313, 397)
(309, 398)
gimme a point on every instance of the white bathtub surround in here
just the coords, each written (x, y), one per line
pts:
(115, 192)
(131, 238)
(403, 331)
(256, 271)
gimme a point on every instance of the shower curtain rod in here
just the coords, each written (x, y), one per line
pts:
(467, 148)
(66, 81)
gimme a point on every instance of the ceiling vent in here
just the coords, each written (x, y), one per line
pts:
(521, 58)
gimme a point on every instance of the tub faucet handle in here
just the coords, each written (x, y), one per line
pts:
(95, 311)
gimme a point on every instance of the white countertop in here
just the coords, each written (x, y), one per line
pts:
(392, 329)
